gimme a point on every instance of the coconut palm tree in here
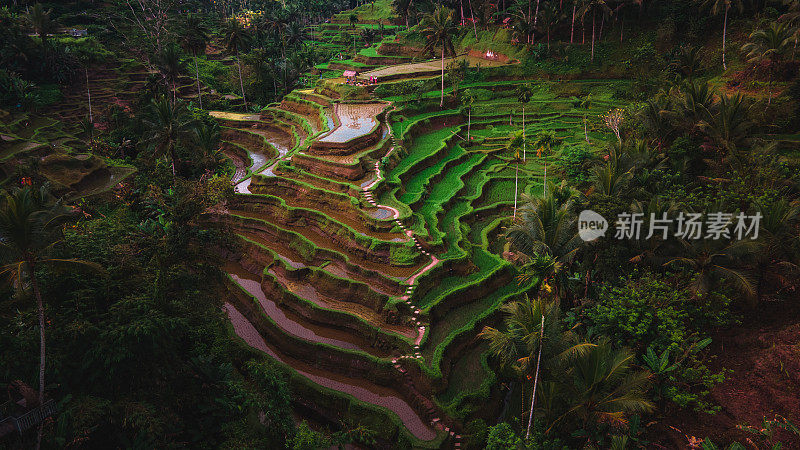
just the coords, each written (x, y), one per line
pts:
(403, 9)
(30, 225)
(610, 179)
(438, 29)
(593, 7)
(522, 26)
(768, 47)
(727, 123)
(551, 15)
(206, 139)
(543, 142)
(516, 145)
(545, 226)
(533, 334)
(776, 261)
(194, 40)
(687, 64)
(717, 7)
(170, 65)
(236, 40)
(714, 261)
(40, 21)
(169, 126)
(601, 387)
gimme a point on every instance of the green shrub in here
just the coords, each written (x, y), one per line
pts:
(574, 159)
(87, 49)
(502, 437)
(402, 255)
(656, 316)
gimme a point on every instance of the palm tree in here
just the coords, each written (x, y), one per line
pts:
(403, 9)
(722, 6)
(544, 142)
(551, 15)
(194, 40)
(516, 145)
(602, 387)
(712, 261)
(768, 47)
(594, 6)
(522, 26)
(610, 179)
(438, 29)
(237, 39)
(170, 65)
(776, 260)
(546, 227)
(170, 125)
(206, 139)
(41, 21)
(688, 63)
(533, 332)
(728, 125)
(30, 225)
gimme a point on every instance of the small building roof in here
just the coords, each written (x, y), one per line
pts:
(350, 73)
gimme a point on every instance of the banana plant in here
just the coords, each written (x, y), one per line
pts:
(659, 365)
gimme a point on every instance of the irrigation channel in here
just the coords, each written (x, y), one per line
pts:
(325, 280)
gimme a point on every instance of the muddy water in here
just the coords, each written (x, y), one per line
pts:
(354, 120)
(309, 292)
(360, 389)
(294, 324)
(335, 267)
(324, 241)
(359, 226)
(280, 141)
(380, 213)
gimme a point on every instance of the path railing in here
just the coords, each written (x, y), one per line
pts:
(33, 417)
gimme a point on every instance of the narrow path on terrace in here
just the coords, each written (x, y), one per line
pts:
(355, 121)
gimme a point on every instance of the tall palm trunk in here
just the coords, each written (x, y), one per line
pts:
(535, 380)
(472, 17)
(89, 95)
(724, 33)
(197, 75)
(241, 83)
(593, 22)
(40, 313)
(441, 101)
(172, 159)
(535, 17)
(572, 26)
(516, 189)
(602, 23)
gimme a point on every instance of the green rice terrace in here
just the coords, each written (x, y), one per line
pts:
(349, 224)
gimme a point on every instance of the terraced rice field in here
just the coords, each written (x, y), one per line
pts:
(424, 68)
(369, 269)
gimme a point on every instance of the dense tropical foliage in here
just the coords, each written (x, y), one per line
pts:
(152, 153)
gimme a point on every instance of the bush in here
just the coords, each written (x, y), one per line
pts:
(402, 256)
(653, 315)
(502, 437)
(574, 159)
(86, 49)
